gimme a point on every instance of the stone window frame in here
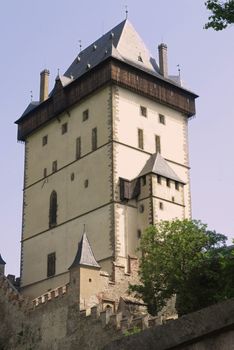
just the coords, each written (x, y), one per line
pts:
(85, 115)
(44, 140)
(64, 128)
(140, 134)
(143, 111)
(51, 264)
(161, 119)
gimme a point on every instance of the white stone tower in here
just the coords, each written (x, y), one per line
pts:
(107, 148)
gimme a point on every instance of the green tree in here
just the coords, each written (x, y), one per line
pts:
(186, 259)
(222, 14)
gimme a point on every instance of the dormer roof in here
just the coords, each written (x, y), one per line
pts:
(84, 255)
(156, 164)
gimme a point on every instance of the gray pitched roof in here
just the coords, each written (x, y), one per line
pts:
(2, 262)
(84, 255)
(158, 165)
(31, 106)
(121, 42)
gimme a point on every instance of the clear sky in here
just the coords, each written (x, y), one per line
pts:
(45, 34)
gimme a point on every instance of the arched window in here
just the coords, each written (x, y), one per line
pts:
(53, 209)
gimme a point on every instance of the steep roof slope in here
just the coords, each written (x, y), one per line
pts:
(121, 42)
(156, 164)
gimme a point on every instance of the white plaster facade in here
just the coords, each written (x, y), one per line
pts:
(112, 224)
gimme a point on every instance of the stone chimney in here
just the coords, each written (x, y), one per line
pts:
(163, 65)
(2, 265)
(44, 85)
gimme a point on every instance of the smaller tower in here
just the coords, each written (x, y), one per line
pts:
(2, 265)
(85, 274)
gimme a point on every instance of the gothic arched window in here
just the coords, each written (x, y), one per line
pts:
(53, 209)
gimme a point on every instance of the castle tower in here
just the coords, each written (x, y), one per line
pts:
(108, 148)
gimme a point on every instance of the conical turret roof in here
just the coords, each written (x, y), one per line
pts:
(84, 255)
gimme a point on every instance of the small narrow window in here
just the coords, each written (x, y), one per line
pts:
(44, 140)
(144, 180)
(159, 179)
(64, 128)
(54, 166)
(53, 210)
(85, 115)
(161, 205)
(45, 172)
(78, 148)
(143, 111)
(157, 144)
(177, 186)
(162, 119)
(86, 183)
(138, 234)
(51, 260)
(173, 199)
(94, 139)
(140, 139)
(72, 176)
(168, 183)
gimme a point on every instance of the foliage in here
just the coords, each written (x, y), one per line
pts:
(184, 258)
(222, 14)
(132, 331)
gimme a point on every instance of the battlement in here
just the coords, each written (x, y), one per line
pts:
(53, 294)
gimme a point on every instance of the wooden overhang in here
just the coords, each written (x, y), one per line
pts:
(109, 71)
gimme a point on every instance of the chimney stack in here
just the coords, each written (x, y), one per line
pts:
(163, 65)
(2, 266)
(44, 85)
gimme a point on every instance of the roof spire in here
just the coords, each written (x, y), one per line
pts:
(84, 255)
(126, 11)
(178, 67)
(80, 45)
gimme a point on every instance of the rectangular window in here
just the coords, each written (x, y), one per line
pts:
(157, 144)
(144, 180)
(140, 139)
(64, 128)
(161, 205)
(94, 139)
(51, 259)
(159, 179)
(139, 234)
(44, 140)
(78, 147)
(54, 166)
(177, 186)
(168, 183)
(45, 172)
(85, 115)
(162, 119)
(143, 111)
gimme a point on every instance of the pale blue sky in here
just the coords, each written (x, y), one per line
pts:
(45, 34)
